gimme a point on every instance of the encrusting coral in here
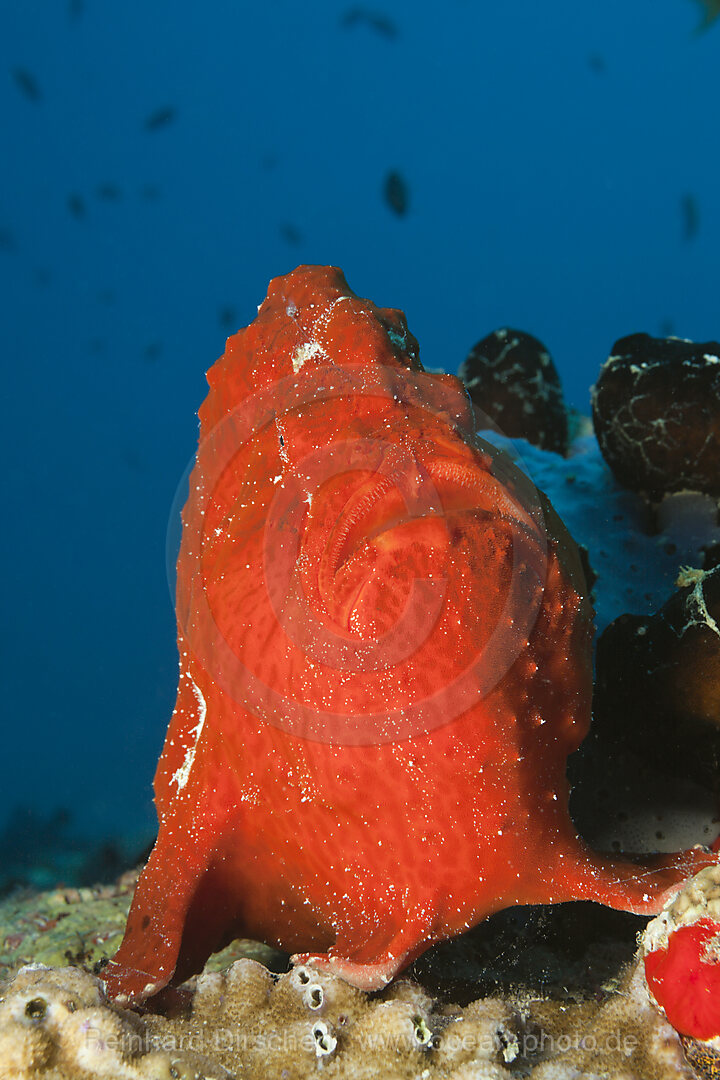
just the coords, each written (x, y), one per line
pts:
(246, 1024)
(57, 1023)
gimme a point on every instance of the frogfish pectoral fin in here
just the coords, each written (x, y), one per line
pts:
(641, 885)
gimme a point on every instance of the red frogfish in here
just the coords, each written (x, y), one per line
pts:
(385, 660)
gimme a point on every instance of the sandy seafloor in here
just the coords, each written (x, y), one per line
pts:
(64, 903)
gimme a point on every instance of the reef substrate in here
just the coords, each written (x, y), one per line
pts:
(249, 1022)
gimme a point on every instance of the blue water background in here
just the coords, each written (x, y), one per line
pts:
(554, 156)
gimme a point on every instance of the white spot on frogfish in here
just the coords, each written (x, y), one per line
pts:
(182, 775)
(305, 352)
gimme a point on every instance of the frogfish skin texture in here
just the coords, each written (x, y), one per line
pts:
(384, 663)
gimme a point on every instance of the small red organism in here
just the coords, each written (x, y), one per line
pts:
(385, 660)
(684, 979)
(682, 956)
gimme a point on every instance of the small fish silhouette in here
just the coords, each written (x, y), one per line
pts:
(27, 84)
(76, 205)
(690, 216)
(7, 240)
(397, 195)
(108, 191)
(160, 118)
(290, 234)
(375, 20)
(227, 316)
(711, 10)
(152, 351)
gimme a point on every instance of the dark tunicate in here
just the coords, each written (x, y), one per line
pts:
(511, 378)
(656, 411)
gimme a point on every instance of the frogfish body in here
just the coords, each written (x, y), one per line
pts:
(385, 659)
